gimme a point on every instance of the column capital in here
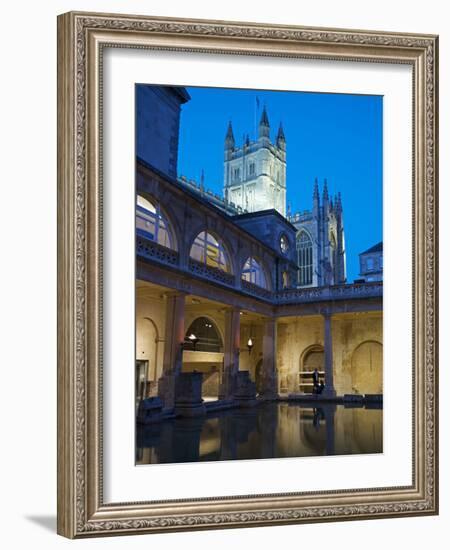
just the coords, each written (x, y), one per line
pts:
(326, 313)
(175, 293)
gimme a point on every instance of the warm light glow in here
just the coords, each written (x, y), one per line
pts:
(250, 345)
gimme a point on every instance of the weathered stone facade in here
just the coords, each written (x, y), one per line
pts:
(321, 230)
(371, 264)
(158, 113)
(199, 257)
(255, 173)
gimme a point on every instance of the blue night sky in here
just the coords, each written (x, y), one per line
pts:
(333, 136)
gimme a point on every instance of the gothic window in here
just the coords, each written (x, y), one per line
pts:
(253, 272)
(236, 174)
(210, 251)
(251, 169)
(304, 259)
(152, 223)
(202, 335)
(370, 264)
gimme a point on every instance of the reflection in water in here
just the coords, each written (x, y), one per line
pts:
(270, 430)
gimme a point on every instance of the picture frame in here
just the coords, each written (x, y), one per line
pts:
(82, 41)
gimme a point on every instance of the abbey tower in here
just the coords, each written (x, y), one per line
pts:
(255, 180)
(255, 173)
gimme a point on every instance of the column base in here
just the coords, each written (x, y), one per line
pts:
(166, 390)
(190, 409)
(188, 394)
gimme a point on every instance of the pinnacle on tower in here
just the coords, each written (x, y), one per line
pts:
(339, 202)
(325, 190)
(281, 139)
(229, 138)
(202, 179)
(316, 190)
(264, 125)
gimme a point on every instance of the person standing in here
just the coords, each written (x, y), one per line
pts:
(315, 380)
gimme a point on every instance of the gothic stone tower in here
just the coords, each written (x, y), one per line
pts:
(320, 241)
(255, 174)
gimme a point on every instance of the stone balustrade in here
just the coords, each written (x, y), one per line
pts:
(211, 273)
(150, 250)
(329, 293)
(256, 290)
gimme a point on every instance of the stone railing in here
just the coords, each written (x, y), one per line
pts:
(151, 250)
(256, 290)
(326, 293)
(211, 273)
(213, 198)
(148, 249)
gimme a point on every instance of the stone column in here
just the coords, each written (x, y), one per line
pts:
(328, 356)
(231, 353)
(173, 348)
(269, 373)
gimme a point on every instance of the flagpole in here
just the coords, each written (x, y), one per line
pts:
(256, 113)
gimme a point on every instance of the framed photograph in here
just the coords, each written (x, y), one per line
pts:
(247, 287)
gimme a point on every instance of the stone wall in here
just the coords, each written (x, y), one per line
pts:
(357, 356)
(357, 346)
(150, 326)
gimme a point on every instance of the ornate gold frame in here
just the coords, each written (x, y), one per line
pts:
(81, 510)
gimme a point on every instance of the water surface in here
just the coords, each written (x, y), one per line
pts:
(269, 430)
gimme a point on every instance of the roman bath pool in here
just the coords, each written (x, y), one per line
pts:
(269, 430)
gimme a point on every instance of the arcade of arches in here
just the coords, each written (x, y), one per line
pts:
(213, 338)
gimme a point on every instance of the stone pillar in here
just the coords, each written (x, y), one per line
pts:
(230, 353)
(269, 384)
(328, 356)
(173, 348)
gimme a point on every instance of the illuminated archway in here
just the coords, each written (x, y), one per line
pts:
(255, 273)
(210, 250)
(152, 222)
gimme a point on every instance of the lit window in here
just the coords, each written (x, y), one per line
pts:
(254, 273)
(152, 223)
(304, 259)
(208, 250)
(284, 244)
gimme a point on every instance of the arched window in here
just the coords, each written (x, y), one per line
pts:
(202, 335)
(210, 251)
(284, 244)
(253, 273)
(151, 223)
(304, 259)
